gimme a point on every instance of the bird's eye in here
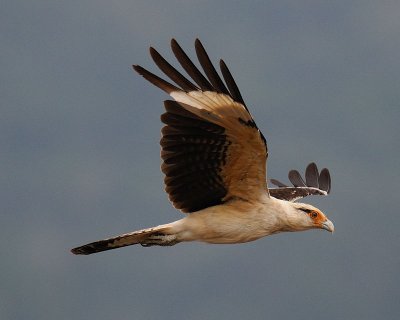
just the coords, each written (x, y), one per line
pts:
(314, 214)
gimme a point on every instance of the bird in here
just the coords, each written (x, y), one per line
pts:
(214, 158)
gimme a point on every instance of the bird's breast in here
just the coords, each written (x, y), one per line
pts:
(228, 224)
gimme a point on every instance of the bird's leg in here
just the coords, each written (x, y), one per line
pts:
(160, 239)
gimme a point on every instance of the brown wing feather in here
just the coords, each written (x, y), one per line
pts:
(193, 151)
(245, 170)
(212, 150)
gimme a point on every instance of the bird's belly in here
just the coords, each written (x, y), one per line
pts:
(225, 226)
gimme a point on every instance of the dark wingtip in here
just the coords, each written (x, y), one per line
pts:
(138, 68)
(315, 183)
(174, 43)
(156, 80)
(325, 180)
(198, 45)
(278, 183)
(152, 51)
(296, 179)
(312, 175)
(311, 166)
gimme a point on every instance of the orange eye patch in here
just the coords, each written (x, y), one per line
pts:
(317, 217)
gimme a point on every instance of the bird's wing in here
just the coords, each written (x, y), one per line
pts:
(316, 184)
(212, 150)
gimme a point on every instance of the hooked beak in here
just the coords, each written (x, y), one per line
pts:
(328, 225)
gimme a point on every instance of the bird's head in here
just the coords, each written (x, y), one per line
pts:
(310, 217)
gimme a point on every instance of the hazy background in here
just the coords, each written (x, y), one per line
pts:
(79, 133)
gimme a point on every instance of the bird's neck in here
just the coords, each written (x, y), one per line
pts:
(288, 218)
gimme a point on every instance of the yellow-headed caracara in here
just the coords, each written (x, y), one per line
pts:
(214, 161)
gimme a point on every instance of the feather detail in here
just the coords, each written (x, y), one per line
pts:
(316, 184)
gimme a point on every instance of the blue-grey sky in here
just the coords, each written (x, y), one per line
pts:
(79, 145)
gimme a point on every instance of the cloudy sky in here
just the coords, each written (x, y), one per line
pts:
(79, 134)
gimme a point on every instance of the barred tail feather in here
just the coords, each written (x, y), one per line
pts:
(159, 235)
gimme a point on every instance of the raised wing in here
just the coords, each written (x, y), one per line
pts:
(316, 184)
(212, 150)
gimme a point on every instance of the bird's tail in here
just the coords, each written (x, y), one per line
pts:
(156, 236)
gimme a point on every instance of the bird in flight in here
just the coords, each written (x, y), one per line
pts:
(214, 161)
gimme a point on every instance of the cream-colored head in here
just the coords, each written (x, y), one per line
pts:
(309, 217)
